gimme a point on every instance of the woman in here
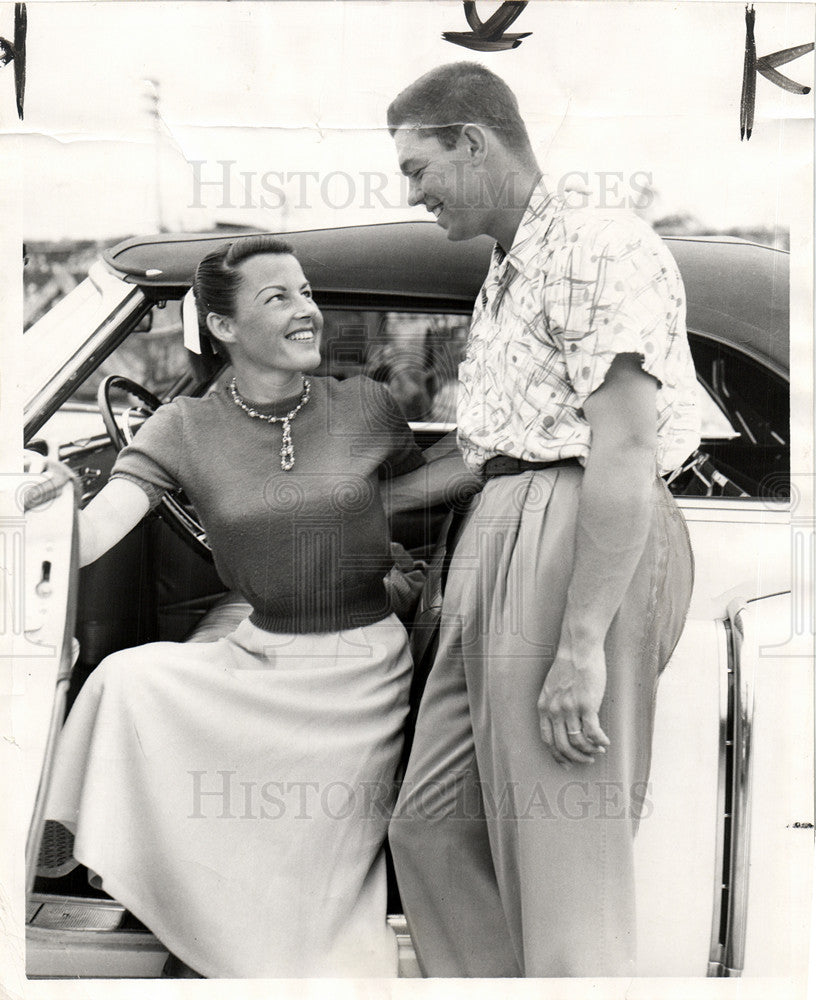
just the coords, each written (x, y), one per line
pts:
(235, 795)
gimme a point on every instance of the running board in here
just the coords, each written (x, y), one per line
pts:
(76, 938)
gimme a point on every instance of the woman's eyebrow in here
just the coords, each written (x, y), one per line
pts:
(266, 288)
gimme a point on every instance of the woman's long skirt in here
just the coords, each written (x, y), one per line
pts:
(235, 795)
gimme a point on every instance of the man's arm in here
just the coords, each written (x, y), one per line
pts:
(444, 477)
(612, 528)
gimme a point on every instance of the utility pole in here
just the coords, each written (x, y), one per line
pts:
(153, 98)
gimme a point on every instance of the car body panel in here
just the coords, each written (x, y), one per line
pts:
(780, 807)
(674, 938)
(741, 548)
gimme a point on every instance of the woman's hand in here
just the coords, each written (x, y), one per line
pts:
(569, 704)
(56, 475)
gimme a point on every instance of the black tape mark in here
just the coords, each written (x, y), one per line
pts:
(767, 67)
(20, 31)
(748, 99)
(16, 52)
(490, 35)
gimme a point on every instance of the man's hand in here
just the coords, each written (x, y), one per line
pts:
(613, 523)
(569, 704)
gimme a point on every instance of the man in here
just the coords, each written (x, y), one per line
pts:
(571, 578)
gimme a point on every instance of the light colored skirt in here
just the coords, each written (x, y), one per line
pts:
(235, 795)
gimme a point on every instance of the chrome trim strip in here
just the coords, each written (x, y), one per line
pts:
(730, 918)
(744, 672)
(721, 866)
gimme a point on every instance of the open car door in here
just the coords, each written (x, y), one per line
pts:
(41, 556)
(45, 552)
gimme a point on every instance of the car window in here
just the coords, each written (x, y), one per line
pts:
(416, 353)
(756, 402)
(54, 340)
(153, 355)
(744, 405)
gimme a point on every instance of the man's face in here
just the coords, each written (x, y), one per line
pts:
(443, 180)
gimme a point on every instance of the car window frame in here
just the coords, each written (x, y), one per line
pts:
(120, 309)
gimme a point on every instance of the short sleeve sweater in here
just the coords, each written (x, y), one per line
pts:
(307, 548)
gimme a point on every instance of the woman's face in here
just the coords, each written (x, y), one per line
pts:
(276, 324)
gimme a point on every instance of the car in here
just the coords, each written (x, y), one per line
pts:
(723, 852)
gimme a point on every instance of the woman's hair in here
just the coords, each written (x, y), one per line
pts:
(443, 100)
(218, 277)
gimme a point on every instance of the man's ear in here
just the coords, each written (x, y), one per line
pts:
(476, 141)
(220, 327)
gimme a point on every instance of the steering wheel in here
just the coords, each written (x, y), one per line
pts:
(174, 508)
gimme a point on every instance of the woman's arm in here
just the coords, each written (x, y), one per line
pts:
(444, 477)
(115, 511)
(112, 513)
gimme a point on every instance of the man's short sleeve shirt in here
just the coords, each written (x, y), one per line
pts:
(576, 288)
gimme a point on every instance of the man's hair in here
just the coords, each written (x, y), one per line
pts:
(443, 100)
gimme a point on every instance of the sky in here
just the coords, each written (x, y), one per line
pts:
(272, 114)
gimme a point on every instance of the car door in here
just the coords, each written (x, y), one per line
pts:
(691, 863)
(43, 552)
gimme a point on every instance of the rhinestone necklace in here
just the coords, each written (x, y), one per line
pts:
(287, 452)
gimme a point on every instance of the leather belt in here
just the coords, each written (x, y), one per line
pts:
(504, 465)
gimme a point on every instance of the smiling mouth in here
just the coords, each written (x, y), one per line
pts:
(301, 336)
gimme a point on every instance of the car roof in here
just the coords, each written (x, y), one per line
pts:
(737, 291)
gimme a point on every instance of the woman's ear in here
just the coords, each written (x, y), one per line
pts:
(220, 328)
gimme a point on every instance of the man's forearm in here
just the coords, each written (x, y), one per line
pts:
(444, 479)
(614, 519)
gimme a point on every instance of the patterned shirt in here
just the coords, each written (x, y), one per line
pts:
(576, 288)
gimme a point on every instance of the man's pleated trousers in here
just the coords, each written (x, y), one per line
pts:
(509, 864)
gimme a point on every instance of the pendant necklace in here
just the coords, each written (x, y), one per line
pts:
(287, 451)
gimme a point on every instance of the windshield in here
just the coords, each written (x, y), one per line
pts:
(73, 338)
(54, 340)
